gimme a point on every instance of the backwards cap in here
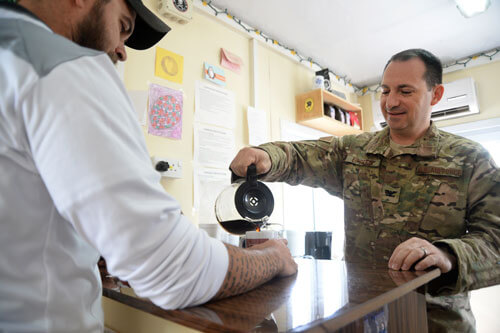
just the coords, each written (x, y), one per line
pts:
(149, 29)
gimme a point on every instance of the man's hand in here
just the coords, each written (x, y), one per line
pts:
(289, 265)
(247, 156)
(415, 249)
(249, 268)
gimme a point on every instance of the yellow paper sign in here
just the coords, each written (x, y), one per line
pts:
(309, 104)
(169, 65)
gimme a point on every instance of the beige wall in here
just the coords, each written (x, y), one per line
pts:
(124, 319)
(198, 41)
(487, 79)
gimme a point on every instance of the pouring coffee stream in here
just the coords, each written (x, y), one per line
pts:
(245, 205)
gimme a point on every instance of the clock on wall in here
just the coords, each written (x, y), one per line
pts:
(181, 5)
(176, 10)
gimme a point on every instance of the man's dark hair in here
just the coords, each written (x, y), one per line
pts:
(434, 70)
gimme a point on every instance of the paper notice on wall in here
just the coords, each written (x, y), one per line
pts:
(140, 101)
(257, 127)
(208, 183)
(214, 105)
(213, 146)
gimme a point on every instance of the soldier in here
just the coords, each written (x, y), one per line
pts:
(414, 196)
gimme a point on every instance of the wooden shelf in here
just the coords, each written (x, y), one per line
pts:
(310, 112)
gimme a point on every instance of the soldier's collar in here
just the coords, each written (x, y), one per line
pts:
(426, 146)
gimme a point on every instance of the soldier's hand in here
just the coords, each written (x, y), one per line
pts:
(247, 156)
(402, 277)
(416, 249)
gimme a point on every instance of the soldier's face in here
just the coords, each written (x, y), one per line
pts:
(406, 100)
(106, 28)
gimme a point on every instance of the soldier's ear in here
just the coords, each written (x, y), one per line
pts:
(437, 94)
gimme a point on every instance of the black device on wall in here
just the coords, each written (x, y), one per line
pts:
(325, 73)
(327, 84)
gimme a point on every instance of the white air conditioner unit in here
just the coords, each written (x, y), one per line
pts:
(179, 11)
(459, 100)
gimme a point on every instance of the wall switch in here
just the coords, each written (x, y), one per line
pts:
(168, 167)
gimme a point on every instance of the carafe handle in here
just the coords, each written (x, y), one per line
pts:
(251, 175)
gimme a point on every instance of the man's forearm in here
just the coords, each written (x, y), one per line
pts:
(248, 269)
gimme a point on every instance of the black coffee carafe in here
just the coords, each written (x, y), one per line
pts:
(245, 205)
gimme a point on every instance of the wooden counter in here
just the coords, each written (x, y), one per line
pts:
(325, 296)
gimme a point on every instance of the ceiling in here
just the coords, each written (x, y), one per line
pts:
(356, 38)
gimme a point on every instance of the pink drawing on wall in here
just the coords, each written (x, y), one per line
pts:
(165, 112)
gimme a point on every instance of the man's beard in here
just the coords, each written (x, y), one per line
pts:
(91, 31)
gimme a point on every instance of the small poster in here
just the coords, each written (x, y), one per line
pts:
(169, 65)
(214, 105)
(215, 74)
(165, 112)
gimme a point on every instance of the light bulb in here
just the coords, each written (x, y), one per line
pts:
(469, 8)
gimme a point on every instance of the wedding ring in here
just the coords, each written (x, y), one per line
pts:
(425, 251)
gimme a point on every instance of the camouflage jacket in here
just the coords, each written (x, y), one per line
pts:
(443, 188)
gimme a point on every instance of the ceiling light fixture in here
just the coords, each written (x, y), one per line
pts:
(469, 8)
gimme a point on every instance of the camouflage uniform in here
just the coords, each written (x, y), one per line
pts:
(443, 188)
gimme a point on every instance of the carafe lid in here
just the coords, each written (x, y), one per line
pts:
(253, 199)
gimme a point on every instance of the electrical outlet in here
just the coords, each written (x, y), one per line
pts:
(173, 170)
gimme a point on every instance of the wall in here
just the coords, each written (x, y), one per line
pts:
(125, 319)
(198, 41)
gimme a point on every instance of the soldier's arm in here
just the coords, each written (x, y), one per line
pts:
(478, 251)
(315, 163)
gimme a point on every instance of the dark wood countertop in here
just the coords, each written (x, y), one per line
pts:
(325, 295)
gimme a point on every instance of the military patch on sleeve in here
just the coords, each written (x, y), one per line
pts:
(390, 194)
(438, 171)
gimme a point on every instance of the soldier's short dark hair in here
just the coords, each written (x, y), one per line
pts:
(434, 69)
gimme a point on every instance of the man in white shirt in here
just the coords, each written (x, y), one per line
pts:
(76, 180)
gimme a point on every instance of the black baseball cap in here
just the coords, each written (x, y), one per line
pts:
(149, 29)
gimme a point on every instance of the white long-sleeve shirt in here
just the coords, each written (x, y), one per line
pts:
(76, 182)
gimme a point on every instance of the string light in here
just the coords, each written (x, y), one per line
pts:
(341, 79)
(464, 62)
(372, 89)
